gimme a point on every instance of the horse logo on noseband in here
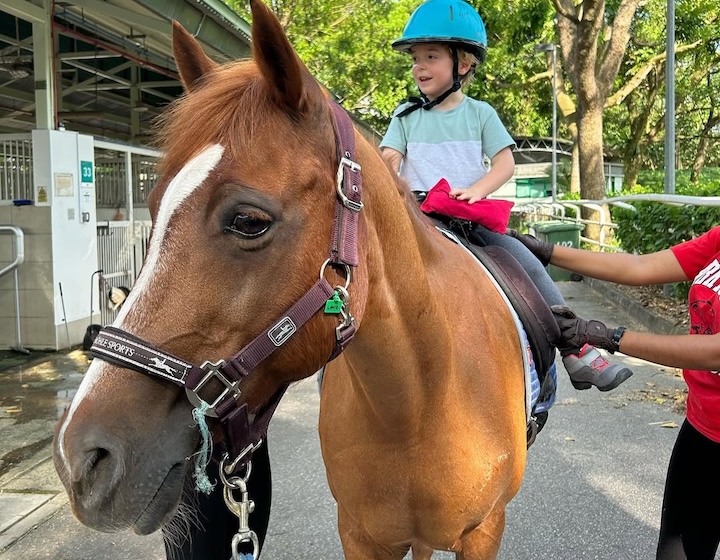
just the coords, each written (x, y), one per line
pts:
(283, 330)
(161, 365)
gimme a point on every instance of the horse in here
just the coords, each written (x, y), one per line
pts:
(422, 417)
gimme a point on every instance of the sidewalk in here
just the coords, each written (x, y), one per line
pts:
(34, 391)
(34, 395)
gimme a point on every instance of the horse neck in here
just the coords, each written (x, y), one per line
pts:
(400, 327)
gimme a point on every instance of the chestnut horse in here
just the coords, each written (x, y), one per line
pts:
(422, 416)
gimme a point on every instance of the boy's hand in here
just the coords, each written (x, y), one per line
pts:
(577, 332)
(541, 249)
(472, 195)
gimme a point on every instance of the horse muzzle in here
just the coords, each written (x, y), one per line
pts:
(110, 491)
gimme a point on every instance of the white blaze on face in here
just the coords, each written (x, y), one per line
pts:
(190, 177)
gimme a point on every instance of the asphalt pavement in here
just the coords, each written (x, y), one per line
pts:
(592, 489)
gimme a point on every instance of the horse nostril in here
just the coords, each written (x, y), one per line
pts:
(95, 458)
(90, 461)
(100, 454)
(95, 465)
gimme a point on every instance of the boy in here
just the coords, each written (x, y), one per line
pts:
(445, 134)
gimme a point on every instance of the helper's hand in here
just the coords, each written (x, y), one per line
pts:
(541, 249)
(577, 332)
(472, 195)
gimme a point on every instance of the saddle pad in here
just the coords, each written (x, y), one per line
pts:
(539, 403)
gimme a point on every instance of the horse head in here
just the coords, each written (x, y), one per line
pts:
(242, 225)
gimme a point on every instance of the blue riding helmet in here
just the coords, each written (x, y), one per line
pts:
(445, 21)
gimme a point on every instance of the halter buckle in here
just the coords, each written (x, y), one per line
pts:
(346, 202)
(213, 370)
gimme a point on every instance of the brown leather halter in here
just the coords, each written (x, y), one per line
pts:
(216, 388)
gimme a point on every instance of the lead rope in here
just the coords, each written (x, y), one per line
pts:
(202, 457)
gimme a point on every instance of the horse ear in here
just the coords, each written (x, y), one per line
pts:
(292, 85)
(191, 60)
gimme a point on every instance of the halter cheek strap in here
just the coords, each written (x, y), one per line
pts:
(216, 388)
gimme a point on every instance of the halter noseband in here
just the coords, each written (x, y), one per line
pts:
(217, 386)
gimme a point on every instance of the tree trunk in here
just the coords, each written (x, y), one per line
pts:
(592, 46)
(590, 150)
(631, 168)
(702, 147)
(575, 171)
(639, 127)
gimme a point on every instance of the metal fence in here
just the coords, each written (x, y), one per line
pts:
(16, 167)
(537, 211)
(111, 179)
(121, 252)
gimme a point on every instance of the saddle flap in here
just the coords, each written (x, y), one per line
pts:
(535, 314)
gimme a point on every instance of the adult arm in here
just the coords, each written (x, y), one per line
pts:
(682, 351)
(623, 268)
(502, 169)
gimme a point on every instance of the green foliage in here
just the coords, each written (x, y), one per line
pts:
(654, 182)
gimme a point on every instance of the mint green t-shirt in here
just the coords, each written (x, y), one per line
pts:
(447, 144)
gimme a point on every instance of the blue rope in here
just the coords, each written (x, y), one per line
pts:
(202, 482)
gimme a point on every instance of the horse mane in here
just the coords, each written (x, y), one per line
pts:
(406, 193)
(225, 107)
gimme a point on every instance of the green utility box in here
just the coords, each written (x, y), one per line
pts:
(566, 234)
(533, 187)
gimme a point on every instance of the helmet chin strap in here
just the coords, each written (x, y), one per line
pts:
(423, 102)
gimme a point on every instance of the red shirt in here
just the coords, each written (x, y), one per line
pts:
(700, 259)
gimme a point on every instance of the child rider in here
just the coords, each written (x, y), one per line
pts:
(444, 134)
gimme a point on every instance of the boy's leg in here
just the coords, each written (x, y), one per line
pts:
(586, 366)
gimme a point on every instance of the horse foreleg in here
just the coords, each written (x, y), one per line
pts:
(483, 542)
(357, 544)
(421, 552)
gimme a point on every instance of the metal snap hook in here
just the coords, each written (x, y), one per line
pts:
(238, 539)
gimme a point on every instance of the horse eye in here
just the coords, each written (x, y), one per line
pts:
(250, 224)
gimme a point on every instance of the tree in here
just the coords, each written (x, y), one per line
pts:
(592, 44)
(635, 112)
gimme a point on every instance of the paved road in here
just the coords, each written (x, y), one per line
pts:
(592, 490)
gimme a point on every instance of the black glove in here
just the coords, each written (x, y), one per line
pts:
(576, 332)
(541, 249)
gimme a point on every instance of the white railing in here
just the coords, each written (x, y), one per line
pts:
(16, 167)
(545, 209)
(19, 258)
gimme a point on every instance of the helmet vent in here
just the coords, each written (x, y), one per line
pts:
(451, 13)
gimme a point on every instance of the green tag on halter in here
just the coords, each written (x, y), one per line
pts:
(334, 304)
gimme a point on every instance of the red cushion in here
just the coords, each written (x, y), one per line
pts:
(494, 214)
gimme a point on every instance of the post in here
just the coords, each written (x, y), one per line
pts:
(129, 181)
(670, 100)
(554, 124)
(670, 110)
(552, 49)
